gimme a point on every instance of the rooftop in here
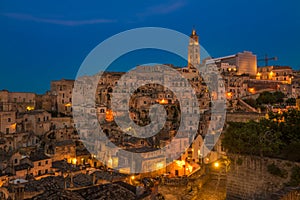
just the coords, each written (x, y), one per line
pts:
(37, 156)
(22, 167)
(65, 143)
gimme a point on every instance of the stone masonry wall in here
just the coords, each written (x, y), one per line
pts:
(249, 178)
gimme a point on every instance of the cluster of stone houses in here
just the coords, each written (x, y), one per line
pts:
(39, 136)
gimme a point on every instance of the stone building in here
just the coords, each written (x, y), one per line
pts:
(282, 74)
(41, 164)
(46, 102)
(7, 122)
(243, 63)
(17, 101)
(296, 85)
(37, 121)
(62, 150)
(62, 89)
(236, 86)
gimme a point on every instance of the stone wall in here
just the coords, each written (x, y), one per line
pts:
(243, 116)
(249, 177)
(293, 195)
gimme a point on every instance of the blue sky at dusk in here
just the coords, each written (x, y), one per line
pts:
(48, 40)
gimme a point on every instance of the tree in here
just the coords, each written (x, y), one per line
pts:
(278, 96)
(269, 137)
(291, 101)
(270, 98)
(266, 98)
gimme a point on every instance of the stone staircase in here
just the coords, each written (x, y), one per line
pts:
(247, 106)
(197, 173)
(219, 175)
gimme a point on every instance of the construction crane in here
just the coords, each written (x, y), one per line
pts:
(266, 59)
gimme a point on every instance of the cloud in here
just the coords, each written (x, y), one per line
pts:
(163, 8)
(57, 21)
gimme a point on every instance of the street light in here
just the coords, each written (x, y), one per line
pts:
(216, 164)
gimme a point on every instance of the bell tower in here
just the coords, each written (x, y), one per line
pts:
(193, 50)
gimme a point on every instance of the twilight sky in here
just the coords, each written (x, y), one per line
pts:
(48, 40)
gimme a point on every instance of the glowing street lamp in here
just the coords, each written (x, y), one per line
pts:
(216, 164)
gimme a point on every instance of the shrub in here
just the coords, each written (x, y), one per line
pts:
(239, 161)
(295, 177)
(276, 171)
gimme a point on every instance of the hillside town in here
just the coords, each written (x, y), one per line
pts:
(46, 154)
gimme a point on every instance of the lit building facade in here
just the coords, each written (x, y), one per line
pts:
(8, 122)
(17, 101)
(275, 73)
(242, 63)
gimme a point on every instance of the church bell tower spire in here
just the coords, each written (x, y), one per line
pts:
(193, 50)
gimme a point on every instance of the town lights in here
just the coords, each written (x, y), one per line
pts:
(13, 126)
(206, 160)
(216, 164)
(163, 101)
(252, 90)
(271, 75)
(29, 108)
(109, 116)
(68, 105)
(110, 162)
(229, 94)
(74, 161)
(180, 163)
(159, 165)
(131, 180)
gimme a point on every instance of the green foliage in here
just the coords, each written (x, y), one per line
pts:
(276, 171)
(254, 138)
(267, 137)
(278, 96)
(270, 98)
(291, 101)
(291, 152)
(266, 98)
(295, 177)
(239, 161)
